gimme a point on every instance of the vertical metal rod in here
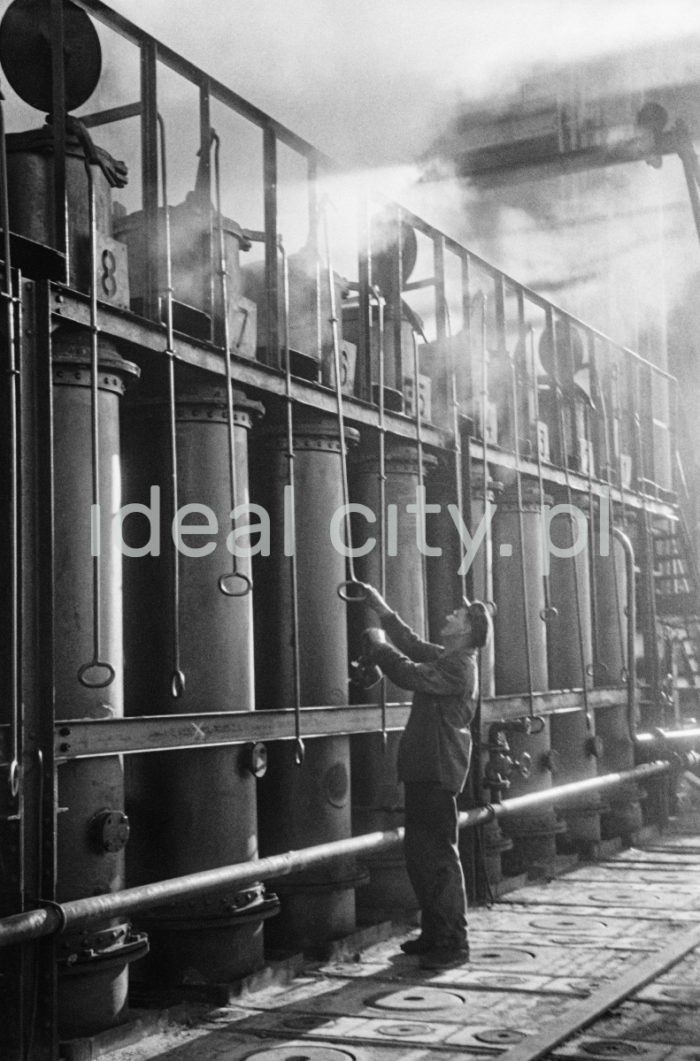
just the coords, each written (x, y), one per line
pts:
(58, 107)
(177, 681)
(650, 617)
(548, 612)
(312, 178)
(363, 368)
(245, 582)
(149, 176)
(271, 245)
(381, 481)
(521, 536)
(595, 396)
(458, 458)
(608, 459)
(444, 336)
(39, 766)
(96, 664)
(396, 304)
(420, 507)
(299, 750)
(339, 395)
(569, 499)
(617, 390)
(488, 543)
(40, 620)
(12, 371)
(205, 139)
(631, 624)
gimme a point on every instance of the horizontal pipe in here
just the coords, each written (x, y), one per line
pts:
(673, 735)
(79, 913)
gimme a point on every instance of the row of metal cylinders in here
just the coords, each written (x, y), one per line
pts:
(194, 809)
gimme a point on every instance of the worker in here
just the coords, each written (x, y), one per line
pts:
(433, 762)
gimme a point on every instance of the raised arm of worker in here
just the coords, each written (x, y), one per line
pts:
(403, 637)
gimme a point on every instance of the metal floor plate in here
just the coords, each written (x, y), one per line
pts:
(537, 957)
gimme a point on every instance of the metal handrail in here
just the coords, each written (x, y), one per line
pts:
(276, 133)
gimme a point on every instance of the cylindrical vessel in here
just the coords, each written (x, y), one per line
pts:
(92, 826)
(307, 803)
(200, 804)
(378, 796)
(576, 749)
(569, 632)
(624, 817)
(534, 835)
(197, 294)
(444, 583)
(521, 638)
(609, 586)
(398, 340)
(30, 185)
(309, 311)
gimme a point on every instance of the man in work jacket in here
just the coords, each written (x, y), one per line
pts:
(433, 761)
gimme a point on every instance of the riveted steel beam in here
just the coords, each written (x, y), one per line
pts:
(82, 738)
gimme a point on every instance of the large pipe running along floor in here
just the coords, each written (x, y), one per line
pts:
(55, 918)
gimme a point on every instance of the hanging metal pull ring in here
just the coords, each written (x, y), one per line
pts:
(247, 584)
(351, 598)
(299, 750)
(338, 393)
(548, 613)
(234, 573)
(376, 293)
(177, 684)
(96, 665)
(14, 778)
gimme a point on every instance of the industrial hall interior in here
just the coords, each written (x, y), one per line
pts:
(349, 562)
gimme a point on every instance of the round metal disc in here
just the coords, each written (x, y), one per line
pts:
(612, 1048)
(418, 998)
(501, 956)
(624, 898)
(406, 1031)
(303, 1022)
(25, 53)
(577, 924)
(506, 1036)
(301, 1053)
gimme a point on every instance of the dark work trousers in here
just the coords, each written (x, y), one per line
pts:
(432, 861)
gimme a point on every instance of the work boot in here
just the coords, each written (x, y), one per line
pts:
(444, 957)
(419, 945)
